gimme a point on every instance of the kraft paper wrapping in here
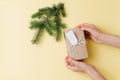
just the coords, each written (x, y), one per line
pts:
(79, 51)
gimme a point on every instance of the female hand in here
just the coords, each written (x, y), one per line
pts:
(98, 36)
(91, 31)
(76, 65)
(83, 67)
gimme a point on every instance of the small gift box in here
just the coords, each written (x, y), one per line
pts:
(76, 44)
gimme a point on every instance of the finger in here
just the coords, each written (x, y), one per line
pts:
(86, 27)
(80, 26)
(73, 68)
(73, 62)
(86, 31)
(76, 63)
(67, 61)
(89, 25)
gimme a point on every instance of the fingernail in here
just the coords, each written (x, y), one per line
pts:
(78, 27)
(66, 57)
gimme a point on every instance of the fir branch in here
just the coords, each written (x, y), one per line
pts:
(49, 19)
(37, 36)
(48, 28)
(35, 24)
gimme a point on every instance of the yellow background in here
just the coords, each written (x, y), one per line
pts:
(20, 60)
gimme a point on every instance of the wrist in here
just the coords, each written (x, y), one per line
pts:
(104, 38)
(94, 74)
(101, 37)
(88, 68)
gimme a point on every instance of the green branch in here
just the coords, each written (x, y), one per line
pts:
(49, 19)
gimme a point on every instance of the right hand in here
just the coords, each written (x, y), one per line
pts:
(80, 66)
(77, 66)
(91, 31)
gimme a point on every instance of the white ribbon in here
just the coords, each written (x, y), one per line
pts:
(71, 37)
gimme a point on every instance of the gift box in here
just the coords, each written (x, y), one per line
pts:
(76, 44)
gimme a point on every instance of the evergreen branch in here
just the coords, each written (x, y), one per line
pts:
(63, 11)
(48, 18)
(63, 26)
(41, 12)
(48, 28)
(37, 36)
(35, 24)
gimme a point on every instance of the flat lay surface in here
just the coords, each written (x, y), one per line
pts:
(20, 60)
